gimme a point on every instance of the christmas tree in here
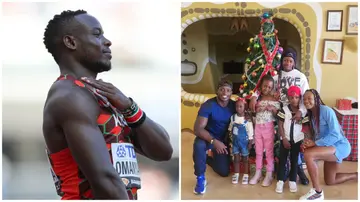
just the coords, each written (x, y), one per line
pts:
(264, 56)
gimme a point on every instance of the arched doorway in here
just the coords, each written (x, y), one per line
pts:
(302, 16)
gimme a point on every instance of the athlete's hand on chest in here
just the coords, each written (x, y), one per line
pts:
(113, 94)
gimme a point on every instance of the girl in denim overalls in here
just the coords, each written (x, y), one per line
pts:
(241, 137)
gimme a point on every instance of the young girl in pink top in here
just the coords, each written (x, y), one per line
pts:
(266, 109)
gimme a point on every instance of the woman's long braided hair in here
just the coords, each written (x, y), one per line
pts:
(318, 102)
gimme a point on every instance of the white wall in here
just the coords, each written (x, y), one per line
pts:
(146, 66)
(145, 63)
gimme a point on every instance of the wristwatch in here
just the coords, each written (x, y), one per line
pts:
(212, 141)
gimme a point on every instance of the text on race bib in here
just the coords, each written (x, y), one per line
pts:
(125, 163)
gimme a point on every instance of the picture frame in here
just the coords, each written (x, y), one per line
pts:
(332, 51)
(352, 20)
(334, 20)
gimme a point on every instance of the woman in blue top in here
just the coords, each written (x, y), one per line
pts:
(328, 144)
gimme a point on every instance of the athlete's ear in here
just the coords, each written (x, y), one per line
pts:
(69, 42)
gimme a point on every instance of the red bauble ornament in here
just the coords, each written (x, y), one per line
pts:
(252, 63)
(253, 74)
(273, 73)
(241, 87)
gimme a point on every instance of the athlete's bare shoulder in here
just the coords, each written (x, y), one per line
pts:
(67, 101)
(64, 95)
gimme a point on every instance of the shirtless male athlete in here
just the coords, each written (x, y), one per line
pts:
(91, 129)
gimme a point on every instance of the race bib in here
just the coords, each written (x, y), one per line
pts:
(125, 164)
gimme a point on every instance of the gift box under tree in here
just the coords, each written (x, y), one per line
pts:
(348, 120)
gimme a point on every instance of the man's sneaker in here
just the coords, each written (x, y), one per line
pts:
(200, 187)
(292, 186)
(279, 186)
(235, 178)
(312, 195)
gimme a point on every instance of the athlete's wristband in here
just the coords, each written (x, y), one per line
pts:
(136, 120)
(130, 110)
(133, 115)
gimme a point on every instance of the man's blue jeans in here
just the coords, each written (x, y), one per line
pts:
(220, 163)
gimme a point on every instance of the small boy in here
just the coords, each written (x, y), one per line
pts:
(291, 138)
(241, 136)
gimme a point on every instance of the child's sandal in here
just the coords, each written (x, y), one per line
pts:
(235, 179)
(245, 179)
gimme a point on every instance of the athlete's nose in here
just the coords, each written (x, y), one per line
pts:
(107, 42)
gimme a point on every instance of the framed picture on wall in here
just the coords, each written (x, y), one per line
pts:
(334, 20)
(332, 51)
(352, 20)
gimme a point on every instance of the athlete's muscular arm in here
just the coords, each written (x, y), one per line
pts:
(199, 129)
(152, 141)
(76, 112)
(201, 132)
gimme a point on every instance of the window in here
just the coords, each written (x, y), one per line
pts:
(188, 68)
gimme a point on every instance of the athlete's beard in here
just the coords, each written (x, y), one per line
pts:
(97, 66)
(101, 66)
